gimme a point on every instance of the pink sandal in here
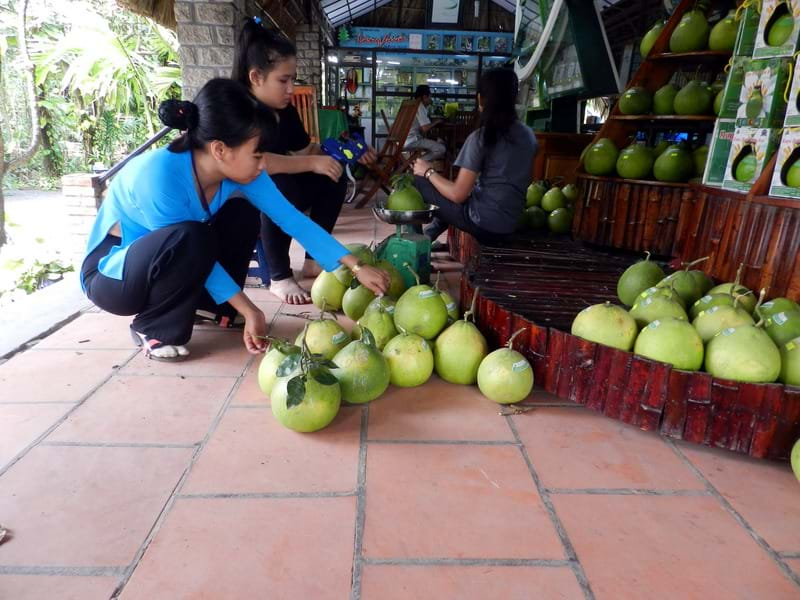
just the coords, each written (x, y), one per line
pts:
(157, 350)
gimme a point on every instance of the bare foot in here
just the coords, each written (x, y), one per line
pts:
(288, 291)
(311, 268)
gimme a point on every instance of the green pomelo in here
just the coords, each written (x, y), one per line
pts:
(718, 84)
(672, 341)
(635, 101)
(268, 370)
(718, 318)
(327, 290)
(407, 198)
(790, 366)
(755, 104)
(636, 279)
(775, 306)
(635, 162)
(601, 158)
(383, 303)
(685, 284)
(458, 352)
(398, 284)
(570, 192)
(362, 372)
(505, 376)
(381, 324)
(421, 310)
(746, 169)
(451, 305)
(650, 38)
(655, 308)
(319, 406)
(743, 353)
(356, 300)
(793, 175)
(717, 106)
(747, 300)
(664, 100)
(704, 282)
(554, 198)
(410, 360)
(664, 292)
(700, 156)
(723, 34)
(691, 34)
(534, 195)
(780, 28)
(795, 459)
(709, 301)
(344, 276)
(324, 336)
(535, 217)
(674, 165)
(695, 98)
(661, 147)
(362, 253)
(783, 327)
(606, 324)
(560, 220)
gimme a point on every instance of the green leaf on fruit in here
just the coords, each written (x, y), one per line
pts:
(295, 391)
(354, 284)
(324, 376)
(328, 364)
(367, 337)
(285, 347)
(288, 365)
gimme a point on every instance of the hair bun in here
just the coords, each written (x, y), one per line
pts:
(178, 114)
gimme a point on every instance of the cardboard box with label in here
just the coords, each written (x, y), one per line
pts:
(778, 28)
(792, 117)
(748, 27)
(762, 102)
(733, 87)
(751, 150)
(786, 178)
(718, 151)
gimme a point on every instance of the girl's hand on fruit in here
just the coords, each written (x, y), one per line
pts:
(255, 331)
(420, 166)
(369, 157)
(375, 279)
(325, 165)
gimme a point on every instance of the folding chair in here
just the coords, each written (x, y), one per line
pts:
(390, 158)
(304, 99)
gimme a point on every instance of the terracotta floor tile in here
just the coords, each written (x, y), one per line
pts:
(538, 397)
(390, 582)
(21, 424)
(794, 564)
(250, 452)
(85, 506)
(667, 547)
(769, 501)
(578, 448)
(289, 549)
(215, 352)
(436, 411)
(432, 501)
(147, 410)
(56, 375)
(286, 327)
(261, 294)
(32, 587)
(92, 330)
(248, 392)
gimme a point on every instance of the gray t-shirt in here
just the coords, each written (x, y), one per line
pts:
(498, 197)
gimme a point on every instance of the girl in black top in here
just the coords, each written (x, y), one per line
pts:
(266, 63)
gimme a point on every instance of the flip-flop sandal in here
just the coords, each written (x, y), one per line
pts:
(148, 345)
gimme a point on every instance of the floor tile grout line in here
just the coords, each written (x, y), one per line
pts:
(790, 555)
(114, 445)
(61, 571)
(469, 562)
(167, 508)
(574, 561)
(728, 507)
(445, 442)
(625, 492)
(361, 500)
(265, 495)
(76, 405)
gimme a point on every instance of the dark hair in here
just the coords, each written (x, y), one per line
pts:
(422, 90)
(223, 110)
(498, 89)
(259, 48)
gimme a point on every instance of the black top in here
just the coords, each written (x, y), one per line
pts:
(292, 136)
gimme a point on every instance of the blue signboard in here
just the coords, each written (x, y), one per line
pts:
(421, 39)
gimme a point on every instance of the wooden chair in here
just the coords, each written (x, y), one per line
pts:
(304, 99)
(391, 159)
(464, 123)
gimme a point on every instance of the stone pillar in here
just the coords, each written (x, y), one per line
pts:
(308, 39)
(83, 194)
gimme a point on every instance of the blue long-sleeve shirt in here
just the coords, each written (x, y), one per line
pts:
(157, 189)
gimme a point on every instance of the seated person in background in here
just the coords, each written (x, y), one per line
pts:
(488, 195)
(416, 139)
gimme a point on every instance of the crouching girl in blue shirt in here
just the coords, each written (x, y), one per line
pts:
(177, 229)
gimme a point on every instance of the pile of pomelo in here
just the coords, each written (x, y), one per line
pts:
(549, 207)
(667, 161)
(694, 33)
(398, 339)
(685, 320)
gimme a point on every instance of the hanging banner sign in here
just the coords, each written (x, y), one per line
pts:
(420, 39)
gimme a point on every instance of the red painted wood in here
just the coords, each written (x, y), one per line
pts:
(698, 408)
(723, 399)
(651, 408)
(675, 406)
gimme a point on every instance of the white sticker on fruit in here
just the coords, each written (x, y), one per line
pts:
(339, 337)
(713, 309)
(769, 304)
(648, 300)
(780, 318)
(728, 331)
(654, 324)
(390, 309)
(706, 299)
(427, 294)
(424, 345)
(451, 306)
(520, 365)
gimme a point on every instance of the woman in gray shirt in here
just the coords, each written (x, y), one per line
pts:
(495, 168)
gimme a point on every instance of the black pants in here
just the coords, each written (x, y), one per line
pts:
(165, 271)
(450, 213)
(307, 192)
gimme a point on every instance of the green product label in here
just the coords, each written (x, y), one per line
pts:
(424, 345)
(520, 365)
(718, 152)
(339, 337)
(451, 306)
(728, 331)
(427, 294)
(780, 318)
(655, 324)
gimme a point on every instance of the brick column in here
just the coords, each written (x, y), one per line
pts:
(82, 196)
(308, 39)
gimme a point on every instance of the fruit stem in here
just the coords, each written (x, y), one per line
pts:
(695, 262)
(413, 272)
(471, 311)
(646, 258)
(436, 284)
(510, 342)
(738, 276)
(761, 297)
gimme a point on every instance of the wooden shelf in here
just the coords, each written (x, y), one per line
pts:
(652, 182)
(693, 57)
(665, 118)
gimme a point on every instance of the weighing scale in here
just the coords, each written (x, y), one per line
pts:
(406, 246)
